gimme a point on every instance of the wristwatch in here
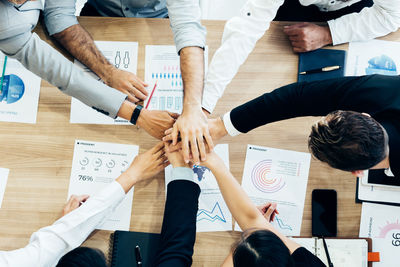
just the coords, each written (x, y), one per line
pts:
(135, 114)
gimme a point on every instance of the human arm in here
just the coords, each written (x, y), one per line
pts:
(178, 231)
(62, 24)
(47, 245)
(240, 36)
(243, 210)
(371, 22)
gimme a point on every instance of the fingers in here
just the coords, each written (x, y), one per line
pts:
(157, 148)
(208, 138)
(173, 115)
(201, 146)
(174, 135)
(270, 211)
(140, 86)
(185, 148)
(195, 149)
(132, 98)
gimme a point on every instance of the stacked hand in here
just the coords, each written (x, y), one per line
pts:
(307, 36)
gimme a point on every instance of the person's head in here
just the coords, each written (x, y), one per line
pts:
(349, 141)
(83, 257)
(261, 248)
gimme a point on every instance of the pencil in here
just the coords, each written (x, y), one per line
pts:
(2, 75)
(151, 95)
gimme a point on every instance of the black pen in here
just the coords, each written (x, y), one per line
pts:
(327, 253)
(138, 256)
(324, 69)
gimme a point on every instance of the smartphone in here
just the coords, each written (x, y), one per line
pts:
(324, 213)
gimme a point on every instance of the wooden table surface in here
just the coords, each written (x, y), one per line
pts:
(39, 156)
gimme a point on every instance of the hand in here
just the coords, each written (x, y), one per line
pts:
(127, 83)
(215, 125)
(193, 128)
(155, 122)
(74, 202)
(307, 36)
(148, 164)
(174, 157)
(268, 210)
(213, 161)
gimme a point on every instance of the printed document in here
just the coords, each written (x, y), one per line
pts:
(19, 96)
(213, 214)
(382, 224)
(123, 55)
(281, 176)
(94, 166)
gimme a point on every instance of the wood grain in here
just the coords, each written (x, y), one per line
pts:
(40, 155)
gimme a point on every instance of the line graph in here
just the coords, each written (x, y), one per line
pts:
(282, 225)
(263, 181)
(214, 215)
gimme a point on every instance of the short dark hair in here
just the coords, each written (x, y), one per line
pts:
(83, 257)
(261, 248)
(348, 141)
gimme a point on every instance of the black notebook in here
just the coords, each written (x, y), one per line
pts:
(321, 58)
(122, 248)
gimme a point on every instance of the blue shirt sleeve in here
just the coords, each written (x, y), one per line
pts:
(59, 15)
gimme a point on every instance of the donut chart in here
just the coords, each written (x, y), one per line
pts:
(262, 180)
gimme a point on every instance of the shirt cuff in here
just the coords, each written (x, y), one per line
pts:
(337, 38)
(182, 173)
(232, 131)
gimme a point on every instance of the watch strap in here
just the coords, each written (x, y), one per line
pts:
(135, 114)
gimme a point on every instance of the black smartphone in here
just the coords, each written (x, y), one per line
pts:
(324, 212)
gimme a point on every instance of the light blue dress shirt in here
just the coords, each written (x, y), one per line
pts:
(17, 41)
(184, 15)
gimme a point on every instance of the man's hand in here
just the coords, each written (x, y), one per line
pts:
(193, 129)
(148, 164)
(74, 202)
(307, 36)
(128, 83)
(174, 157)
(268, 210)
(156, 122)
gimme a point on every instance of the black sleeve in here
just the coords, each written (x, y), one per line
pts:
(304, 258)
(178, 232)
(368, 94)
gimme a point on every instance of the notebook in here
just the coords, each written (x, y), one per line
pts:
(319, 59)
(343, 252)
(122, 248)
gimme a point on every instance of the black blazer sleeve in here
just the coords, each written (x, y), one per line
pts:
(178, 232)
(370, 94)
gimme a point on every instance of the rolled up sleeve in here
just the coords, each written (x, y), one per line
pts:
(185, 22)
(46, 62)
(379, 20)
(59, 15)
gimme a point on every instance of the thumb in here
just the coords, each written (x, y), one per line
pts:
(270, 211)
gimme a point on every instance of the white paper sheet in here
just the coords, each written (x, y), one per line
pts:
(382, 224)
(123, 55)
(20, 96)
(213, 214)
(373, 57)
(163, 73)
(3, 183)
(281, 176)
(94, 166)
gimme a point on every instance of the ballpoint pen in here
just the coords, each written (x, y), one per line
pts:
(330, 264)
(319, 70)
(138, 256)
(2, 75)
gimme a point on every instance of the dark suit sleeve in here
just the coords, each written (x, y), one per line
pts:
(369, 94)
(178, 232)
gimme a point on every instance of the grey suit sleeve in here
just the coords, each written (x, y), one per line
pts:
(59, 15)
(46, 62)
(185, 22)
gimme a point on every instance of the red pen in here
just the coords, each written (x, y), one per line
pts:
(151, 95)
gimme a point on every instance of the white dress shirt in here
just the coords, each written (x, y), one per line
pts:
(241, 34)
(50, 243)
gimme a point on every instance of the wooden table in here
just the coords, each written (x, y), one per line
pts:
(40, 155)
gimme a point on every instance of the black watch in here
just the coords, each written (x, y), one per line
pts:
(135, 114)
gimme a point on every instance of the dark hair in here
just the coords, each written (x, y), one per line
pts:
(83, 257)
(261, 248)
(348, 141)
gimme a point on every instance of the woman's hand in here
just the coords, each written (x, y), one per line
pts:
(268, 210)
(73, 203)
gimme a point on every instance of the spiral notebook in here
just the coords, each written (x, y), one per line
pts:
(122, 248)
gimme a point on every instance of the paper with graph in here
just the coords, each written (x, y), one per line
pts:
(281, 176)
(382, 224)
(163, 74)
(123, 55)
(213, 214)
